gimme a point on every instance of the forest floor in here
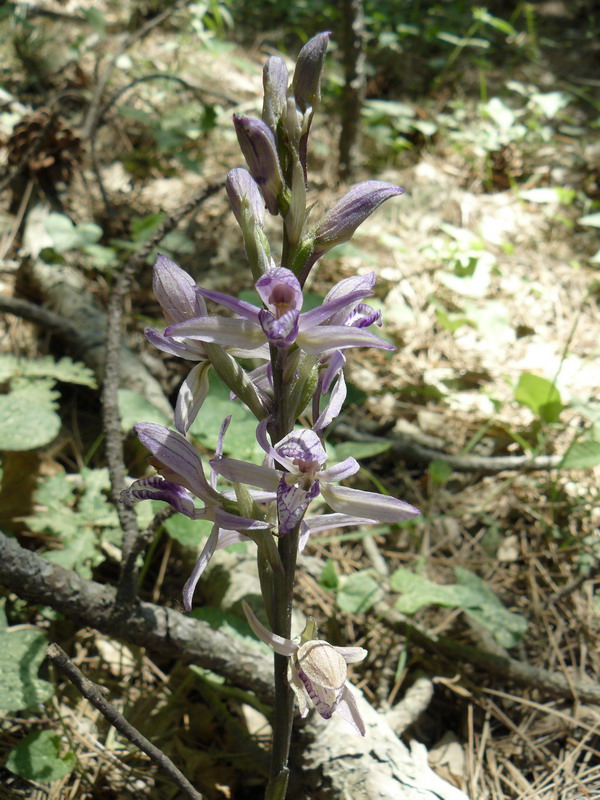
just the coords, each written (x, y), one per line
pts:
(488, 284)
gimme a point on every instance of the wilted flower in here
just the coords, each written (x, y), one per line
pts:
(317, 671)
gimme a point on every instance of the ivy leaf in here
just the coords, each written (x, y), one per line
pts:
(37, 758)
(22, 651)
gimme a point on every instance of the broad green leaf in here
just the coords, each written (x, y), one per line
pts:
(27, 416)
(540, 395)
(358, 592)
(80, 553)
(582, 455)
(329, 578)
(66, 235)
(240, 439)
(506, 626)
(360, 450)
(37, 757)
(64, 369)
(22, 651)
(440, 471)
(417, 592)
(188, 532)
(134, 408)
(78, 514)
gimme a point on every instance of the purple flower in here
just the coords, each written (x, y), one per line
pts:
(281, 323)
(258, 145)
(303, 458)
(180, 301)
(317, 671)
(181, 480)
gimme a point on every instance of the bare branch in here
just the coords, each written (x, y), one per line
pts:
(95, 695)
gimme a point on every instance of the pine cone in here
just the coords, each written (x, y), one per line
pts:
(44, 147)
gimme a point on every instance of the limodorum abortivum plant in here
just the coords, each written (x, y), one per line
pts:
(295, 393)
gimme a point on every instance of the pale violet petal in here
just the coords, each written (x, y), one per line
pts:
(367, 504)
(175, 290)
(221, 330)
(352, 655)
(337, 337)
(205, 556)
(240, 307)
(192, 351)
(325, 311)
(285, 647)
(192, 394)
(180, 459)
(334, 406)
(338, 472)
(347, 709)
(327, 522)
(243, 472)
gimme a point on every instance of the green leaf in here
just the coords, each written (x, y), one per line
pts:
(329, 578)
(22, 651)
(440, 471)
(360, 450)
(417, 592)
(188, 532)
(582, 455)
(358, 592)
(66, 235)
(470, 593)
(240, 440)
(64, 370)
(506, 626)
(134, 408)
(540, 395)
(27, 416)
(37, 758)
(78, 514)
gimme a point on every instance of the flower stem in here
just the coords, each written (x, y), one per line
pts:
(284, 697)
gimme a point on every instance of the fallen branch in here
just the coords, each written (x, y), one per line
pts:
(414, 450)
(95, 695)
(162, 630)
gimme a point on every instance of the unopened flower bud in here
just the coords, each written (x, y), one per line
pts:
(360, 202)
(275, 82)
(245, 197)
(306, 84)
(257, 143)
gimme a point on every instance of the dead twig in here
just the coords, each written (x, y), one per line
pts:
(95, 695)
(411, 449)
(132, 542)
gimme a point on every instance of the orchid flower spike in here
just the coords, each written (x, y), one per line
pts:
(317, 671)
(181, 479)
